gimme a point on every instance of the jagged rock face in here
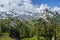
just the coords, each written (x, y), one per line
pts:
(29, 15)
(47, 14)
(12, 14)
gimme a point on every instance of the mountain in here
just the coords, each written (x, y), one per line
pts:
(14, 14)
(27, 15)
(47, 14)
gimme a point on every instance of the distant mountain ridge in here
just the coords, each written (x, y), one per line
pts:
(29, 15)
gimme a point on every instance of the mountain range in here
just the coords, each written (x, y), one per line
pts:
(27, 15)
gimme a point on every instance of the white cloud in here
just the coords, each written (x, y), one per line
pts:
(23, 5)
(17, 5)
(42, 7)
(55, 9)
(45, 6)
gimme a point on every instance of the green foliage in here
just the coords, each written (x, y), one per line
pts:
(30, 30)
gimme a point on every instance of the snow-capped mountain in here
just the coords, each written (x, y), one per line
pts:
(29, 15)
(24, 9)
(15, 14)
(44, 14)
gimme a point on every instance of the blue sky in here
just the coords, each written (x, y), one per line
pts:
(51, 3)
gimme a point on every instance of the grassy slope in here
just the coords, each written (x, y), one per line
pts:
(33, 38)
(6, 37)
